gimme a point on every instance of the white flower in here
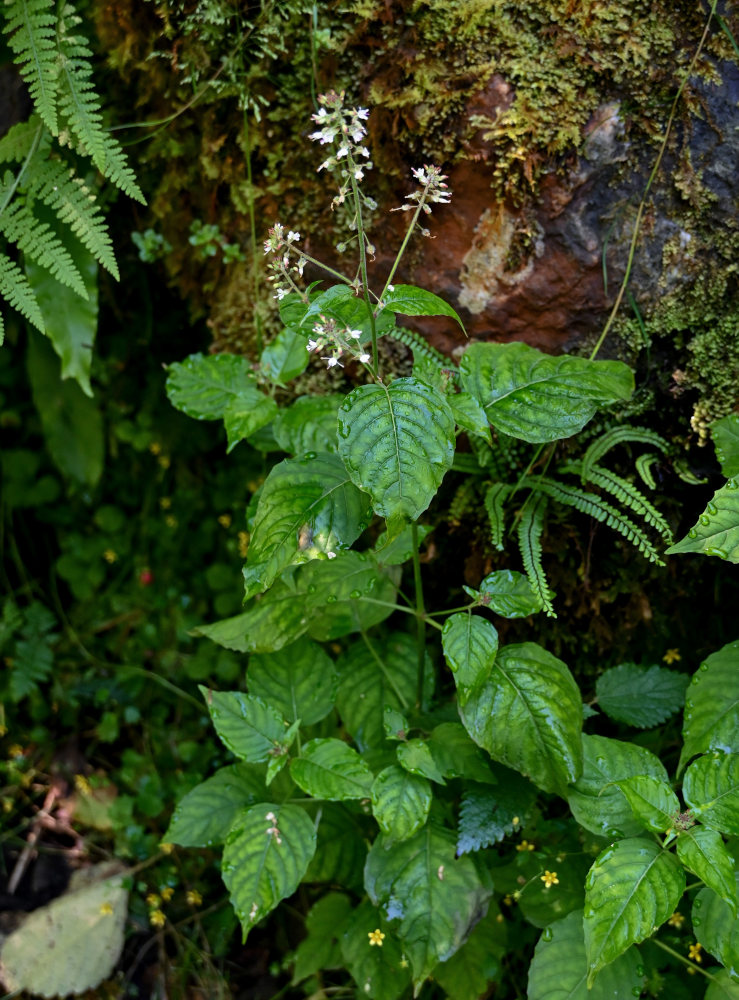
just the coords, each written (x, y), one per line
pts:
(364, 358)
(332, 362)
(311, 345)
(358, 173)
(293, 237)
(362, 113)
(354, 334)
(281, 293)
(342, 150)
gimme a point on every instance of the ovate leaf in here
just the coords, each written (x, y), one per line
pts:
(347, 594)
(320, 948)
(632, 888)
(286, 357)
(467, 974)
(470, 646)
(716, 533)
(299, 680)
(436, 896)
(711, 789)
(411, 301)
(381, 972)
(722, 986)
(204, 816)
(469, 415)
(272, 621)
(400, 802)
(247, 414)
(640, 696)
(266, 855)
(652, 801)
(249, 728)
(204, 385)
(417, 757)
(487, 813)
(537, 397)
(341, 303)
(341, 849)
(704, 853)
(307, 507)
(329, 769)
(456, 756)
(309, 424)
(528, 715)
(509, 594)
(712, 709)
(397, 442)
(716, 927)
(559, 968)
(595, 799)
(725, 434)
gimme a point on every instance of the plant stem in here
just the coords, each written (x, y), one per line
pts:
(409, 611)
(683, 959)
(420, 616)
(363, 263)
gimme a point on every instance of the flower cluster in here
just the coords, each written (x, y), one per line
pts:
(432, 189)
(344, 126)
(338, 341)
(281, 244)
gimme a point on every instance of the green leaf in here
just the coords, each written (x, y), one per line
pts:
(704, 853)
(456, 756)
(712, 709)
(271, 622)
(537, 397)
(204, 385)
(346, 594)
(509, 594)
(266, 855)
(528, 715)
(407, 300)
(469, 415)
(71, 422)
(640, 696)
(716, 927)
(394, 724)
(381, 973)
(249, 728)
(342, 848)
(310, 424)
(595, 799)
(716, 532)
(70, 321)
(470, 646)
(487, 813)
(417, 758)
(559, 968)
(248, 413)
(725, 434)
(653, 803)
(722, 986)
(436, 896)
(286, 357)
(373, 678)
(307, 507)
(397, 442)
(400, 802)
(400, 548)
(467, 974)
(320, 948)
(632, 888)
(341, 303)
(329, 769)
(300, 681)
(204, 816)
(543, 905)
(711, 789)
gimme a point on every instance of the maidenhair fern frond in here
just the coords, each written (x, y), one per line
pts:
(15, 289)
(619, 435)
(601, 510)
(625, 492)
(38, 242)
(495, 497)
(530, 527)
(31, 29)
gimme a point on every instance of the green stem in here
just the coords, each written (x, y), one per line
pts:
(404, 244)
(650, 181)
(683, 959)
(420, 617)
(409, 611)
(17, 179)
(387, 674)
(363, 263)
(451, 611)
(158, 679)
(312, 260)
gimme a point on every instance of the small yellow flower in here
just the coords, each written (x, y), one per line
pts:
(165, 503)
(153, 900)
(110, 556)
(155, 447)
(157, 918)
(404, 962)
(164, 461)
(515, 821)
(106, 909)
(170, 521)
(508, 899)
(82, 784)
(525, 846)
(243, 543)
(694, 952)
(166, 893)
(376, 937)
(499, 918)
(225, 520)
(15, 751)
(676, 920)
(549, 879)
(194, 898)
(672, 656)
(166, 848)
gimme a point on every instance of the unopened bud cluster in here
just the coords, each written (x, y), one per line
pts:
(281, 243)
(344, 126)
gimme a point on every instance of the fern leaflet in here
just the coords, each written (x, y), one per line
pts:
(644, 464)
(625, 492)
(31, 29)
(530, 527)
(619, 435)
(419, 346)
(14, 287)
(18, 141)
(495, 497)
(596, 507)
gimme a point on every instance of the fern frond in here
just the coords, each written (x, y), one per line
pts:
(601, 510)
(419, 346)
(625, 492)
(38, 242)
(18, 141)
(495, 497)
(75, 205)
(619, 435)
(530, 527)
(15, 288)
(464, 501)
(80, 107)
(643, 465)
(31, 29)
